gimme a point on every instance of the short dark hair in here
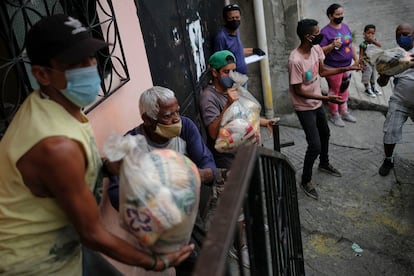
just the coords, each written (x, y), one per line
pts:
(369, 26)
(332, 8)
(231, 7)
(305, 26)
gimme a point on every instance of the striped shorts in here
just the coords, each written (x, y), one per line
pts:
(397, 115)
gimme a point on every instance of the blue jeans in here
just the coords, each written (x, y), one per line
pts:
(317, 133)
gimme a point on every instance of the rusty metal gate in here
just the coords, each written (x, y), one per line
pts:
(178, 40)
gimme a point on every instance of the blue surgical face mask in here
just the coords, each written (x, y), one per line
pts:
(83, 85)
(226, 82)
(405, 42)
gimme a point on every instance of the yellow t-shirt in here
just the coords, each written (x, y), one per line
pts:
(36, 237)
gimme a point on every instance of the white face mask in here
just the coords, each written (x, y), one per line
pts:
(168, 131)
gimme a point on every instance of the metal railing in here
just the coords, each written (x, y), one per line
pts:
(262, 181)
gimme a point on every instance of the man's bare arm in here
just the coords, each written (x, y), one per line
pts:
(57, 164)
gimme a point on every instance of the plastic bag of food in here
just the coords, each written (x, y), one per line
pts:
(240, 124)
(391, 61)
(159, 192)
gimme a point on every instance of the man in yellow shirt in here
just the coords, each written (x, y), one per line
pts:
(49, 163)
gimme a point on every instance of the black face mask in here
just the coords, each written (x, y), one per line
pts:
(233, 24)
(317, 39)
(338, 20)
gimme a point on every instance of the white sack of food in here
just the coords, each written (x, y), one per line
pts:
(235, 134)
(240, 124)
(159, 194)
(390, 62)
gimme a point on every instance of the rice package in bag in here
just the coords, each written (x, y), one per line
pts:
(390, 62)
(240, 124)
(159, 195)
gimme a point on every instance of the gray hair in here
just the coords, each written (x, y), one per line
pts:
(148, 102)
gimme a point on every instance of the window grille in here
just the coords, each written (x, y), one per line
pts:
(17, 17)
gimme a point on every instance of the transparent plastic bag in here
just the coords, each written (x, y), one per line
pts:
(240, 124)
(391, 61)
(159, 192)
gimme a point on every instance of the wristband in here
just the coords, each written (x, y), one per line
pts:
(165, 262)
(154, 263)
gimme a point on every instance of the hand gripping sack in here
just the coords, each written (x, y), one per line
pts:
(159, 193)
(390, 62)
(240, 124)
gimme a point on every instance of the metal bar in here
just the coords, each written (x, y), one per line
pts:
(270, 180)
(219, 238)
(276, 137)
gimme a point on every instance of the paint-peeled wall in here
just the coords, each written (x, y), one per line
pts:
(196, 41)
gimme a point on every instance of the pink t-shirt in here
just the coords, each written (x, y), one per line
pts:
(305, 70)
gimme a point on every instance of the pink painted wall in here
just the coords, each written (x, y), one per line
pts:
(119, 112)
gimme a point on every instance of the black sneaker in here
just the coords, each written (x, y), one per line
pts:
(309, 189)
(369, 93)
(328, 168)
(386, 167)
(376, 92)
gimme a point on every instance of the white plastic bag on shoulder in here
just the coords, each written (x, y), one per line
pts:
(240, 124)
(390, 62)
(159, 192)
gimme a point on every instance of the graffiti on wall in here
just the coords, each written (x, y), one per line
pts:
(197, 40)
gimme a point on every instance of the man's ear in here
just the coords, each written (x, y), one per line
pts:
(144, 117)
(215, 73)
(147, 120)
(308, 37)
(41, 75)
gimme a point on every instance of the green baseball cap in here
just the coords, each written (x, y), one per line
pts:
(221, 58)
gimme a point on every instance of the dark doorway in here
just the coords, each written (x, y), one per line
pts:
(178, 40)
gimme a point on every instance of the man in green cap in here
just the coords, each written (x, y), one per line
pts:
(215, 99)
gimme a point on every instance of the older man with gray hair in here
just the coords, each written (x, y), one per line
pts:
(164, 128)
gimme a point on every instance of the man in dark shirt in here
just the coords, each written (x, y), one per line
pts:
(228, 38)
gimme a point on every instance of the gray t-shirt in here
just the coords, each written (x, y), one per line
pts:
(212, 103)
(404, 87)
